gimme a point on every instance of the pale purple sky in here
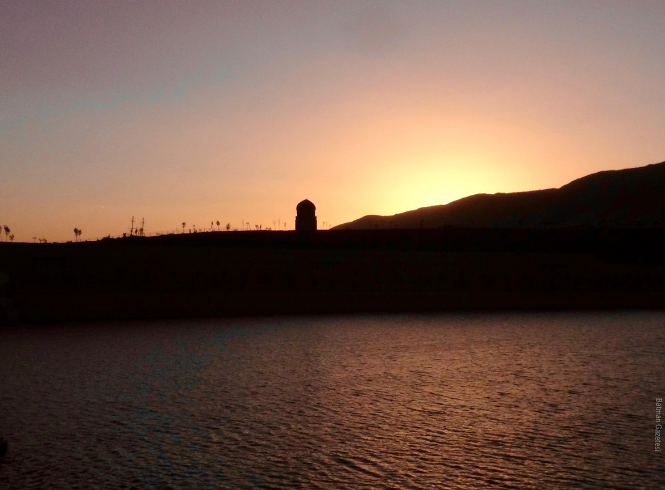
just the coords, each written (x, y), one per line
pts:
(236, 110)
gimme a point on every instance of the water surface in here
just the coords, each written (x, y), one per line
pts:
(561, 400)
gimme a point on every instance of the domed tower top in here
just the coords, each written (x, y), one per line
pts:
(305, 206)
(305, 216)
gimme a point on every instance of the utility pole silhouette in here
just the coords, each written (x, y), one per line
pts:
(131, 230)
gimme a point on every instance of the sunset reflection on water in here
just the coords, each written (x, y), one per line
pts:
(408, 401)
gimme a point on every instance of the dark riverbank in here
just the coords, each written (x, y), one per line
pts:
(246, 273)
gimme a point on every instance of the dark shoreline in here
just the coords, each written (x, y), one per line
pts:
(383, 271)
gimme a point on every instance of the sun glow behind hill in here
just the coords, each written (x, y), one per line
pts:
(630, 198)
(432, 162)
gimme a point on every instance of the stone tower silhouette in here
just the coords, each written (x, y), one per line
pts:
(305, 216)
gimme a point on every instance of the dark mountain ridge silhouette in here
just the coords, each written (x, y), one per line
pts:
(625, 198)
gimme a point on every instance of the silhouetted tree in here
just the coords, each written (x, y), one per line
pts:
(183, 226)
(217, 225)
(7, 230)
(11, 237)
(228, 226)
(77, 233)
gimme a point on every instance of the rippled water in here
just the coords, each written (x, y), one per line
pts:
(412, 401)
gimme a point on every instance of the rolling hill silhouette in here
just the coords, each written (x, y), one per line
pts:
(629, 197)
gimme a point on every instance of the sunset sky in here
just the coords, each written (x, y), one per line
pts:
(237, 110)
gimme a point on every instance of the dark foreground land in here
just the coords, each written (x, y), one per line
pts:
(339, 271)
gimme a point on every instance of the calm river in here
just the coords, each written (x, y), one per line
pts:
(523, 400)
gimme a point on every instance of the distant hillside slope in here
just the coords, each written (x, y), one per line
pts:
(630, 197)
